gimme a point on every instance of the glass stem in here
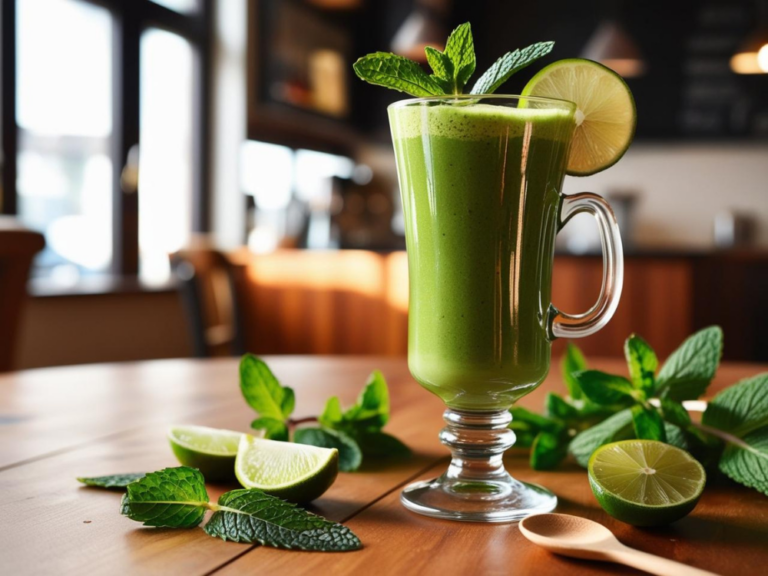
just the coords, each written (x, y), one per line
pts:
(477, 441)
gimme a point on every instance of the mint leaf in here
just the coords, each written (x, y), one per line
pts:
(557, 407)
(350, 455)
(442, 67)
(460, 48)
(371, 412)
(173, 497)
(262, 391)
(535, 420)
(252, 516)
(525, 433)
(617, 427)
(678, 437)
(605, 389)
(573, 361)
(642, 363)
(647, 423)
(689, 370)
(273, 429)
(675, 413)
(548, 450)
(381, 445)
(739, 416)
(332, 414)
(113, 481)
(397, 73)
(508, 65)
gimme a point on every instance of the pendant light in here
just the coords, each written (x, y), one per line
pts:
(752, 55)
(612, 46)
(423, 27)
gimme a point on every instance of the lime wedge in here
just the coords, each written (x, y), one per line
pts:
(605, 116)
(295, 472)
(210, 450)
(644, 482)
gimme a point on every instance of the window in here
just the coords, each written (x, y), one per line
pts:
(165, 158)
(292, 190)
(104, 113)
(64, 117)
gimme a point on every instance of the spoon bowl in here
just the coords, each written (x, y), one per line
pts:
(586, 539)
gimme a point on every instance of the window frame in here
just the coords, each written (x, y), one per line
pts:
(130, 19)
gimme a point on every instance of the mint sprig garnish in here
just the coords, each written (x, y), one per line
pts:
(114, 481)
(355, 433)
(451, 69)
(509, 64)
(460, 49)
(177, 498)
(397, 73)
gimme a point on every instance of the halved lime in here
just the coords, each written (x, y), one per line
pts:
(644, 482)
(295, 472)
(210, 450)
(605, 116)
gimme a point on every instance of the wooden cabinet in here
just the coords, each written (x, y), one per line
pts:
(356, 302)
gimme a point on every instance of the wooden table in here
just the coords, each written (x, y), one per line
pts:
(57, 424)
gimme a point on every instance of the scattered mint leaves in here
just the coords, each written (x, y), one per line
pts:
(112, 482)
(617, 427)
(177, 498)
(739, 416)
(548, 450)
(263, 392)
(252, 516)
(460, 49)
(173, 498)
(397, 73)
(359, 426)
(605, 389)
(642, 363)
(350, 453)
(648, 424)
(382, 445)
(689, 370)
(509, 64)
(573, 361)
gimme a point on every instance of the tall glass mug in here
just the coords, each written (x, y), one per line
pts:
(480, 179)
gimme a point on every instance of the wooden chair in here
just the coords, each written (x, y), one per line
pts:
(18, 247)
(208, 285)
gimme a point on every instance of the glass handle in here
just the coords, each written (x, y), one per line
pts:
(564, 325)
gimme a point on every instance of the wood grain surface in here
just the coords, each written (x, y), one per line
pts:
(57, 424)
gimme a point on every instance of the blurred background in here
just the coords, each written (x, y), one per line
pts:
(205, 177)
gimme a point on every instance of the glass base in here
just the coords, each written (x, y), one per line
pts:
(476, 487)
(439, 499)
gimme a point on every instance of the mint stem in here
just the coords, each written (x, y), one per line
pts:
(725, 436)
(307, 420)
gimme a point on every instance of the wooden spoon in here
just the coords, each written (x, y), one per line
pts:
(581, 538)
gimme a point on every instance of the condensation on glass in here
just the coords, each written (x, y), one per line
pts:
(64, 114)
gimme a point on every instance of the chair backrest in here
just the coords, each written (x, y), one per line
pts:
(209, 293)
(18, 247)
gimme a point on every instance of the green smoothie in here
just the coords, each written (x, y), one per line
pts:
(480, 187)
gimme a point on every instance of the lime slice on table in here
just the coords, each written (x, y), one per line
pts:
(644, 482)
(605, 116)
(210, 450)
(295, 472)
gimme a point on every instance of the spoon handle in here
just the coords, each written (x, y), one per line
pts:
(655, 564)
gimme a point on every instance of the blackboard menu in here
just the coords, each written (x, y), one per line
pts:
(688, 92)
